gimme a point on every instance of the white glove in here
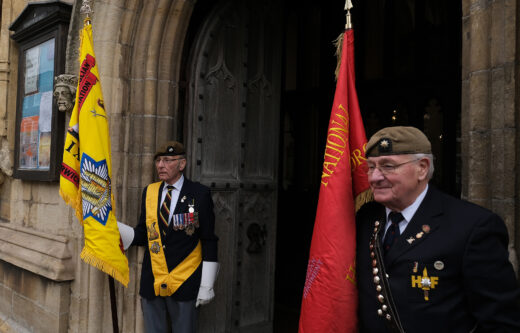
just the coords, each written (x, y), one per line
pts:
(209, 275)
(127, 234)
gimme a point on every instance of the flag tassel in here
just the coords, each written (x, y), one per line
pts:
(363, 197)
(89, 257)
(74, 202)
(338, 43)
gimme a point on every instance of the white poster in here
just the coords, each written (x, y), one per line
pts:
(32, 70)
(45, 112)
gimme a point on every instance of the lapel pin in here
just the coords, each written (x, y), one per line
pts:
(410, 240)
(419, 235)
(426, 228)
(183, 198)
(439, 265)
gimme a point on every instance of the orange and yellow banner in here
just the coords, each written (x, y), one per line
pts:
(86, 171)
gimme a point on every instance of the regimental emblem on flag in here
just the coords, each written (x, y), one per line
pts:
(95, 189)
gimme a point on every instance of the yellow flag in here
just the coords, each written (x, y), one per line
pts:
(86, 172)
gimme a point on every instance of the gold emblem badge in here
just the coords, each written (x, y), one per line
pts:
(152, 234)
(425, 282)
(155, 248)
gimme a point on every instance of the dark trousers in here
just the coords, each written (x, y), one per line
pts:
(183, 315)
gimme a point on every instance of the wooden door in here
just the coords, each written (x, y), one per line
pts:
(232, 135)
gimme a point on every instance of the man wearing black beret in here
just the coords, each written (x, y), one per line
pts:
(428, 262)
(177, 227)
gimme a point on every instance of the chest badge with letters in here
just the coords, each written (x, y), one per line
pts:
(425, 282)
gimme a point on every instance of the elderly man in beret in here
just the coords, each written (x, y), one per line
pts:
(177, 227)
(428, 262)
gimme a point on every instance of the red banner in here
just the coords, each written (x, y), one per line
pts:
(329, 301)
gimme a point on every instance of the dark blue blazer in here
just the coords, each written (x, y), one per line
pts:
(177, 244)
(465, 248)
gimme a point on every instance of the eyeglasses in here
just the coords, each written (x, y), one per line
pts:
(166, 160)
(386, 169)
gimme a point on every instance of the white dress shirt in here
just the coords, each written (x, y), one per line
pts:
(407, 213)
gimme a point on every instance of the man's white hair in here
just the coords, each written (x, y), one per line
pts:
(429, 157)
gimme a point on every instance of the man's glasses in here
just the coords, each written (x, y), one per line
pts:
(386, 169)
(166, 160)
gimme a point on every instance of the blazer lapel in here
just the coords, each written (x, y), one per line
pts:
(184, 198)
(424, 222)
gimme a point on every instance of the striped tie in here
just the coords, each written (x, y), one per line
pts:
(165, 207)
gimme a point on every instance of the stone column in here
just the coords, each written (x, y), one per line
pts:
(488, 119)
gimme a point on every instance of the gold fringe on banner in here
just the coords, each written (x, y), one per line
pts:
(74, 203)
(338, 43)
(363, 198)
(90, 258)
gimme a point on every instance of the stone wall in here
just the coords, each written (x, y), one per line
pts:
(30, 303)
(489, 109)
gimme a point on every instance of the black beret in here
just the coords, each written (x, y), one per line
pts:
(170, 148)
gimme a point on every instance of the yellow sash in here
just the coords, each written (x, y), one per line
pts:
(165, 284)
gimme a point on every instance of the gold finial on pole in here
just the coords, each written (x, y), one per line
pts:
(86, 9)
(348, 5)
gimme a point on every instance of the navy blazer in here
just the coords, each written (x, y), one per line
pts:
(464, 250)
(177, 244)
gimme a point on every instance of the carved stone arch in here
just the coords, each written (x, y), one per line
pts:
(154, 75)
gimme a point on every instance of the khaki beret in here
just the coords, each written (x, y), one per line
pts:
(170, 148)
(398, 140)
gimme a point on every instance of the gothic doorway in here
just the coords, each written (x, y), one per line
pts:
(259, 86)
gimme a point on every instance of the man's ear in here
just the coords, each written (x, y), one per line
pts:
(424, 167)
(182, 164)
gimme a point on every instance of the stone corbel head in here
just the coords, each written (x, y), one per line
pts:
(65, 91)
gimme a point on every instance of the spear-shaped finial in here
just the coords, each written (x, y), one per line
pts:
(86, 9)
(348, 6)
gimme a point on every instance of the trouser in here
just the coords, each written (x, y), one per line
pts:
(183, 315)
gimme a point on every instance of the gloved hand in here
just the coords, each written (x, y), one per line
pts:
(127, 234)
(209, 275)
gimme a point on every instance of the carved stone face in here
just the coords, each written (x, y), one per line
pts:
(63, 98)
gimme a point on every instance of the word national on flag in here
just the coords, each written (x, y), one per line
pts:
(329, 302)
(86, 171)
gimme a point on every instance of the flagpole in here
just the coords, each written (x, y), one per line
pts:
(87, 10)
(348, 6)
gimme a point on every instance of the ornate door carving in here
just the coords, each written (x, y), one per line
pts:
(232, 134)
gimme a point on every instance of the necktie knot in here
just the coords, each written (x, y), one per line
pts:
(395, 217)
(393, 230)
(170, 187)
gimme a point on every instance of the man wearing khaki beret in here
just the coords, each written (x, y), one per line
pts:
(177, 227)
(428, 262)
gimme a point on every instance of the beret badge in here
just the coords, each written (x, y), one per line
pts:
(385, 145)
(170, 149)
